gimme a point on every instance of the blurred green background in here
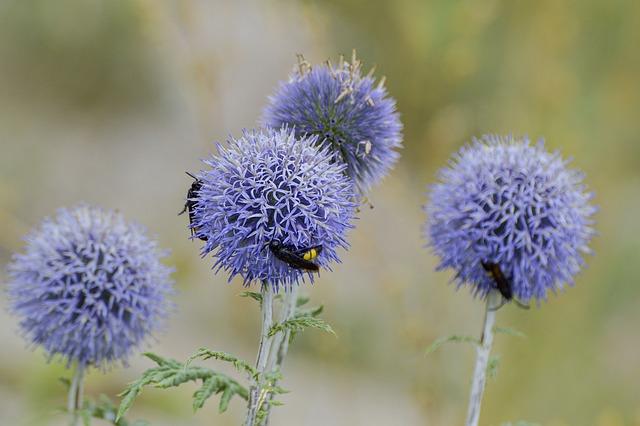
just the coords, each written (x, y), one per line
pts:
(111, 101)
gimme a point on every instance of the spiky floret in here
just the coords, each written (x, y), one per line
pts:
(504, 201)
(89, 286)
(345, 109)
(269, 186)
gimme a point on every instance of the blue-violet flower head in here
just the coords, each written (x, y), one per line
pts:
(89, 286)
(506, 202)
(345, 109)
(270, 186)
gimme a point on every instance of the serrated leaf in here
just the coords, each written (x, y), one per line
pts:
(509, 331)
(299, 323)
(239, 364)
(454, 338)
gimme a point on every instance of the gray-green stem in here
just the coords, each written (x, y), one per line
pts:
(281, 340)
(255, 394)
(76, 390)
(482, 361)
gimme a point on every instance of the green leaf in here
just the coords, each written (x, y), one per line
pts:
(302, 300)
(129, 396)
(314, 312)
(171, 373)
(224, 400)
(509, 331)
(253, 295)
(157, 358)
(492, 366)
(86, 417)
(209, 386)
(299, 323)
(239, 364)
(454, 338)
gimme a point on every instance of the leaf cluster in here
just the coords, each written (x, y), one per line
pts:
(171, 373)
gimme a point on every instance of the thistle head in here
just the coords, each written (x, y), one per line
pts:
(349, 112)
(270, 186)
(506, 202)
(89, 286)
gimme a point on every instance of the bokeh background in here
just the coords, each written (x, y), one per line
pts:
(109, 102)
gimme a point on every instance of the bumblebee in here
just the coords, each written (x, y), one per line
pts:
(299, 258)
(503, 284)
(189, 205)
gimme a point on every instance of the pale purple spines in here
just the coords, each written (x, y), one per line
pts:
(89, 286)
(269, 185)
(350, 112)
(504, 201)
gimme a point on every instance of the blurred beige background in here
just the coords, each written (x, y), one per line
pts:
(110, 102)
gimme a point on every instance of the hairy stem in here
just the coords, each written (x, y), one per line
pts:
(76, 389)
(263, 354)
(482, 361)
(281, 340)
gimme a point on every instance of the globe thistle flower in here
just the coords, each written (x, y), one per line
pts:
(270, 186)
(345, 109)
(89, 286)
(505, 202)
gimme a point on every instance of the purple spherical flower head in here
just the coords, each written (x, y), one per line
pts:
(89, 286)
(350, 112)
(506, 202)
(270, 186)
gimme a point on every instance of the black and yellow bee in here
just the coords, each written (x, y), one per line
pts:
(299, 258)
(503, 284)
(189, 205)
